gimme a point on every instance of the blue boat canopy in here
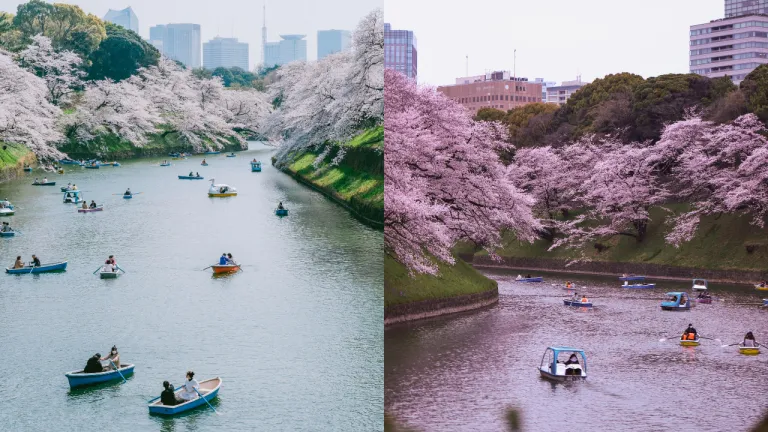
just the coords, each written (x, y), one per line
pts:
(75, 192)
(558, 350)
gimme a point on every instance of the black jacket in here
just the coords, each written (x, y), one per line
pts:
(168, 397)
(93, 366)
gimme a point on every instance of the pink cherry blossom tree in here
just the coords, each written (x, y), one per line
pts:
(61, 70)
(444, 180)
(26, 115)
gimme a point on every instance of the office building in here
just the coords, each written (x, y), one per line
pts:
(400, 51)
(291, 48)
(493, 90)
(125, 18)
(735, 8)
(332, 41)
(560, 94)
(731, 47)
(179, 42)
(544, 86)
(225, 52)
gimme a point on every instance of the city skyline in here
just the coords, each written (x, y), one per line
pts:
(556, 43)
(240, 19)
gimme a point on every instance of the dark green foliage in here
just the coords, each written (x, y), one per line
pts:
(236, 77)
(68, 27)
(490, 114)
(121, 54)
(201, 73)
(755, 90)
(33, 17)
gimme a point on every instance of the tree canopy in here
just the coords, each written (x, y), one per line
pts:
(67, 26)
(121, 54)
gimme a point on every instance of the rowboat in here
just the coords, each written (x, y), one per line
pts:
(115, 164)
(51, 267)
(689, 342)
(639, 286)
(7, 233)
(256, 166)
(755, 350)
(208, 388)
(226, 268)
(699, 285)
(212, 152)
(69, 162)
(281, 212)
(552, 368)
(704, 300)
(569, 302)
(167, 164)
(532, 279)
(190, 178)
(632, 278)
(79, 379)
(28, 169)
(204, 164)
(231, 155)
(7, 211)
(761, 288)
(678, 301)
(101, 164)
(127, 196)
(221, 190)
(50, 183)
(109, 274)
(72, 197)
(89, 210)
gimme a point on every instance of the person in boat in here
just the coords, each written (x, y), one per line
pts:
(762, 284)
(568, 284)
(204, 160)
(112, 260)
(197, 174)
(45, 180)
(36, 261)
(19, 263)
(93, 204)
(128, 192)
(584, 299)
(37, 181)
(223, 189)
(529, 276)
(69, 186)
(572, 360)
(114, 356)
(690, 333)
(6, 227)
(74, 187)
(280, 206)
(749, 340)
(85, 205)
(519, 277)
(223, 260)
(94, 364)
(108, 267)
(254, 160)
(231, 260)
(190, 174)
(168, 396)
(191, 386)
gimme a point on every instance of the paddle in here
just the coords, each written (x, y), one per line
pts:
(118, 370)
(716, 340)
(120, 268)
(97, 270)
(206, 401)
(206, 268)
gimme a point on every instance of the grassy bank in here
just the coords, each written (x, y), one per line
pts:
(452, 281)
(726, 242)
(108, 147)
(357, 182)
(12, 160)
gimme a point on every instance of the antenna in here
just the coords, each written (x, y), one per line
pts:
(514, 65)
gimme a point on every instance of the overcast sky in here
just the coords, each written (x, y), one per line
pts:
(241, 18)
(555, 40)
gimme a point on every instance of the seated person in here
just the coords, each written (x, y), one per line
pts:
(528, 277)
(128, 192)
(223, 260)
(689, 333)
(93, 204)
(168, 396)
(85, 205)
(749, 340)
(190, 174)
(573, 359)
(36, 261)
(94, 364)
(113, 356)
(280, 206)
(584, 299)
(19, 263)
(108, 267)
(197, 174)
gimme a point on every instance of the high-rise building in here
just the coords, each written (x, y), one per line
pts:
(125, 18)
(400, 51)
(735, 8)
(560, 94)
(293, 48)
(730, 47)
(179, 42)
(493, 90)
(271, 54)
(332, 41)
(225, 52)
(544, 86)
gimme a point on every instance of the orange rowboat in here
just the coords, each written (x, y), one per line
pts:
(217, 269)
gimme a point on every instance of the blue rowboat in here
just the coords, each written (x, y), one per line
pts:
(678, 301)
(281, 212)
(127, 196)
(190, 178)
(168, 164)
(231, 155)
(28, 169)
(553, 365)
(115, 164)
(204, 164)
(208, 388)
(533, 279)
(255, 166)
(50, 183)
(69, 162)
(212, 152)
(79, 379)
(7, 234)
(639, 286)
(632, 278)
(91, 166)
(577, 303)
(51, 267)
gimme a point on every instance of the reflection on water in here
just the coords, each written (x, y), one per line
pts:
(459, 373)
(296, 336)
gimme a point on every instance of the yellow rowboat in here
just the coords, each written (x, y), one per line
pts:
(749, 350)
(694, 342)
(761, 288)
(228, 194)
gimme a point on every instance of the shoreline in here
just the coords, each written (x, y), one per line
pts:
(651, 271)
(416, 311)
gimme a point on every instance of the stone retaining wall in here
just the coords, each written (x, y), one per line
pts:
(432, 308)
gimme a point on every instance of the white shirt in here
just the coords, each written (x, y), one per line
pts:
(107, 268)
(188, 392)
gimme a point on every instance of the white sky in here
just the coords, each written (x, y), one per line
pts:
(555, 40)
(243, 18)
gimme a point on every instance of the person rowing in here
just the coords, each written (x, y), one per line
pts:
(128, 192)
(690, 333)
(190, 174)
(280, 206)
(113, 357)
(6, 227)
(223, 260)
(749, 340)
(230, 260)
(93, 204)
(35, 261)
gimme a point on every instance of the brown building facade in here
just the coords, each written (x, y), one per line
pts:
(495, 90)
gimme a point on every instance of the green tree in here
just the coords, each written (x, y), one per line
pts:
(755, 90)
(201, 73)
(528, 124)
(33, 17)
(490, 114)
(66, 25)
(121, 54)
(225, 75)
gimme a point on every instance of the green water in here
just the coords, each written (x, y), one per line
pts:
(296, 337)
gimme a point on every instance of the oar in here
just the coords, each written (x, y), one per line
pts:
(716, 340)
(120, 268)
(206, 268)
(206, 401)
(118, 370)
(97, 270)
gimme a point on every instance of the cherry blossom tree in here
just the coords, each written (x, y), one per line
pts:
(26, 116)
(61, 70)
(444, 179)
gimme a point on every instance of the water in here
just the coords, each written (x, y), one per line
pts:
(296, 337)
(460, 373)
